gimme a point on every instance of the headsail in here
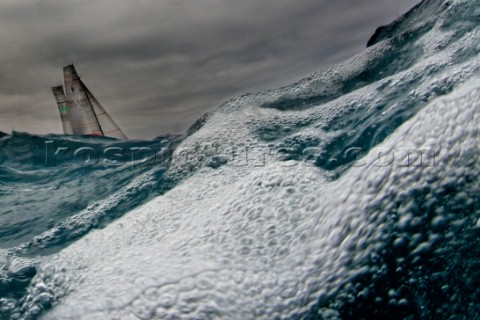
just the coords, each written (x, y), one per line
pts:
(107, 124)
(80, 111)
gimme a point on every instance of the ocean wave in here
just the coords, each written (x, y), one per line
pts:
(350, 194)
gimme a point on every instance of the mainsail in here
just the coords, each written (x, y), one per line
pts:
(81, 113)
(62, 108)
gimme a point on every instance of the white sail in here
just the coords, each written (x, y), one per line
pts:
(80, 111)
(63, 109)
(107, 124)
(82, 117)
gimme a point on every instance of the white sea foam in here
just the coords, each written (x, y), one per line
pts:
(263, 243)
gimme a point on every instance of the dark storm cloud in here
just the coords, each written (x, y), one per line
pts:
(159, 65)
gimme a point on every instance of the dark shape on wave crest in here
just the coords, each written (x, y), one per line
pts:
(197, 125)
(429, 8)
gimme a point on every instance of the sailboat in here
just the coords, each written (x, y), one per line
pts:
(80, 112)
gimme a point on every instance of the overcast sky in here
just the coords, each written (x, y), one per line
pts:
(157, 65)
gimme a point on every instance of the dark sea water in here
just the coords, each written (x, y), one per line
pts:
(351, 194)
